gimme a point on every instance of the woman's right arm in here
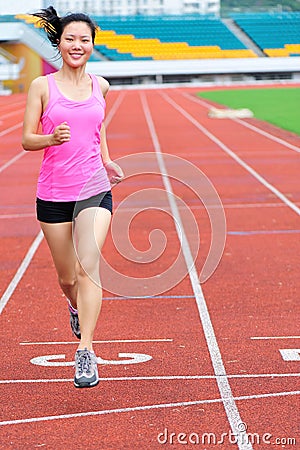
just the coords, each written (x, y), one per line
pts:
(31, 139)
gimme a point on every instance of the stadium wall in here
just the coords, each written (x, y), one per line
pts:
(31, 69)
(29, 46)
(220, 71)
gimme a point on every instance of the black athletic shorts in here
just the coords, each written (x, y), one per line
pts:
(58, 212)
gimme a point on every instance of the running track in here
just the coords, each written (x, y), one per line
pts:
(180, 363)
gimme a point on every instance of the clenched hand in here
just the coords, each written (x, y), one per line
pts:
(61, 134)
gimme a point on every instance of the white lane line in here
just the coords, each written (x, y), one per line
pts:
(12, 160)
(215, 354)
(244, 205)
(260, 232)
(20, 272)
(159, 378)
(145, 408)
(274, 337)
(16, 216)
(201, 207)
(268, 135)
(10, 129)
(114, 108)
(12, 113)
(193, 207)
(113, 341)
(152, 297)
(247, 125)
(16, 104)
(227, 150)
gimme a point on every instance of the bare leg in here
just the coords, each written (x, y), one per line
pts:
(91, 228)
(60, 241)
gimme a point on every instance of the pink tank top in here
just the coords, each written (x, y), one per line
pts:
(73, 170)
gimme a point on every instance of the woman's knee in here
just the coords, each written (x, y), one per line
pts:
(67, 282)
(87, 267)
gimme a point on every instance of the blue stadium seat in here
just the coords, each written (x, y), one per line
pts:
(270, 30)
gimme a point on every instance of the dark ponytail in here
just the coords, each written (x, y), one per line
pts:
(54, 25)
(51, 23)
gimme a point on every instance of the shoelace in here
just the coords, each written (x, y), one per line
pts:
(84, 362)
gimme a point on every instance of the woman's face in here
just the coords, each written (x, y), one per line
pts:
(76, 44)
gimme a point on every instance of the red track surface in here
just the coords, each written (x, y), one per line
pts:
(215, 370)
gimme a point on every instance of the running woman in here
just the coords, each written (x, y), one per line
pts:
(74, 185)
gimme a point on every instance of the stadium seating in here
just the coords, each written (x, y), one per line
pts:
(277, 34)
(167, 37)
(173, 37)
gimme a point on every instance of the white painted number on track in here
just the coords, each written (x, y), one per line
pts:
(132, 358)
(53, 360)
(290, 354)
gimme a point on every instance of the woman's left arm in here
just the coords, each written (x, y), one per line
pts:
(103, 145)
(114, 171)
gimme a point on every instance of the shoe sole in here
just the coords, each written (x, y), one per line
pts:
(86, 385)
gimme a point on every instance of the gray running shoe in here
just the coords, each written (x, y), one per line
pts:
(74, 321)
(86, 371)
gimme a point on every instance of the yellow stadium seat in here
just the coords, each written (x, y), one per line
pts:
(293, 48)
(276, 52)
